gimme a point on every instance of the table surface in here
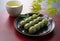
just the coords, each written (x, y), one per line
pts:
(9, 33)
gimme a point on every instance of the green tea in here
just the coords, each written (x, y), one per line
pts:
(13, 4)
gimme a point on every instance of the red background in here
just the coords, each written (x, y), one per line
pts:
(9, 33)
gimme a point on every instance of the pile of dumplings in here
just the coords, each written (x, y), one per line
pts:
(33, 23)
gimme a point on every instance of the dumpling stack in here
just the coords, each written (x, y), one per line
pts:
(33, 23)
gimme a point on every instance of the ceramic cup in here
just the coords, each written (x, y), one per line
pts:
(14, 8)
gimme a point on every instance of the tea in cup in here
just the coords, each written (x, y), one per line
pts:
(14, 8)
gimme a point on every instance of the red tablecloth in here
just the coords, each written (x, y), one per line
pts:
(9, 33)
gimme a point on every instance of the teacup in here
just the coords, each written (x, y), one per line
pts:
(14, 8)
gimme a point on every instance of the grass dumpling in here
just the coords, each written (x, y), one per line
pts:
(45, 21)
(37, 26)
(31, 23)
(41, 24)
(32, 29)
(35, 21)
(34, 16)
(27, 26)
(22, 23)
(40, 18)
(28, 19)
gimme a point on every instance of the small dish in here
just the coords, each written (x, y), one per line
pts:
(43, 31)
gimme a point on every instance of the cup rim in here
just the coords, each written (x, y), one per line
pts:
(14, 6)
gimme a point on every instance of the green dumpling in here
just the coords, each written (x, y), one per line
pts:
(37, 26)
(35, 21)
(27, 26)
(45, 21)
(34, 16)
(31, 23)
(41, 24)
(39, 18)
(32, 29)
(28, 19)
(22, 23)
